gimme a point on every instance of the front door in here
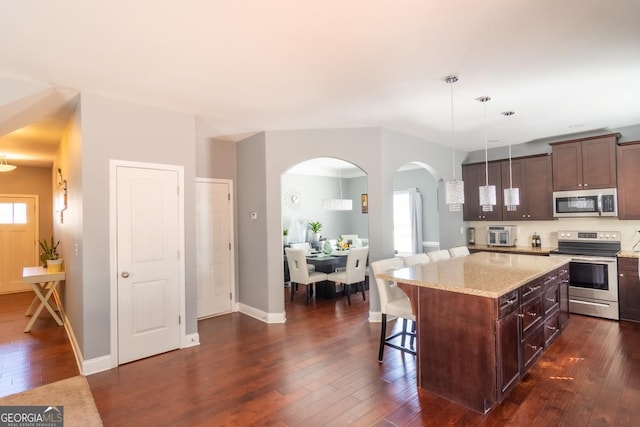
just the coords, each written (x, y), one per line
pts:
(148, 261)
(18, 246)
(213, 241)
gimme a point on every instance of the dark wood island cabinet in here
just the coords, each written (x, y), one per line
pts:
(483, 320)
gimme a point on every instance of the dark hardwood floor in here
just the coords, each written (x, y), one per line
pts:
(320, 369)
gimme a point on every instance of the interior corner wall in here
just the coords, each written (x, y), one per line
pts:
(69, 229)
(115, 129)
(253, 250)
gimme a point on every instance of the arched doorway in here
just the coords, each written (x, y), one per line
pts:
(415, 181)
(306, 189)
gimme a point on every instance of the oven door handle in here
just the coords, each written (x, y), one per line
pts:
(594, 260)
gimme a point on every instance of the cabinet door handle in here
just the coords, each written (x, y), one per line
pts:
(532, 314)
(534, 347)
(621, 274)
(553, 328)
(520, 315)
(551, 299)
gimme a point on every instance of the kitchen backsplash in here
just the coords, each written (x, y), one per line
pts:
(548, 230)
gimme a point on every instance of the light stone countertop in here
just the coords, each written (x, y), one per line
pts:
(628, 254)
(487, 274)
(511, 249)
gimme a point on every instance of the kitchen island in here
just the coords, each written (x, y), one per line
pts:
(483, 320)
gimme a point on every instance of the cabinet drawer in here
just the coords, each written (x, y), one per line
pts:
(508, 303)
(551, 299)
(551, 328)
(532, 347)
(531, 315)
(531, 290)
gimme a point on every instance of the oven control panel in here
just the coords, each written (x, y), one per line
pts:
(589, 236)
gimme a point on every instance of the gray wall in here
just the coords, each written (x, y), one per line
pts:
(541, 146)
(378, 152)
(113, 129)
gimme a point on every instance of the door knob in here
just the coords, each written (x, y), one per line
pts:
(124, 274)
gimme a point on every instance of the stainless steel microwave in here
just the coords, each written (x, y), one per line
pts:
(601, 202)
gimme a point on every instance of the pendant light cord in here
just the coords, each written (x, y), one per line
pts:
(486, 155)
(453, 150)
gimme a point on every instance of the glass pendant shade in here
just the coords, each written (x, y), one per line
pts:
(487, 192)
(487, 197)
(511, 198)
(454, 195)
(454, 189)
(511, 195)
(337, 204)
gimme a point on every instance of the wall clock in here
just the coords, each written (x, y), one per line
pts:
(293, 198)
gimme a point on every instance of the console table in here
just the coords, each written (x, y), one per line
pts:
(45, 285)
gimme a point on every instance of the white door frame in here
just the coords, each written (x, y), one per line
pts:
(113, 255)
(232, 261)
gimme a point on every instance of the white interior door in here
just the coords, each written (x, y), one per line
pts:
(18, 247)
(148, 262)
(214, 233)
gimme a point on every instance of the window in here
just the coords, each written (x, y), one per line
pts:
(13, 213)
(401, 223)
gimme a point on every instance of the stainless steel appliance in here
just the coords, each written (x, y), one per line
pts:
(593, 271)
(602, 202)
(502, 235)
(471, 236)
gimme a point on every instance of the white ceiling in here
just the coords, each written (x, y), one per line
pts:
(244, 66)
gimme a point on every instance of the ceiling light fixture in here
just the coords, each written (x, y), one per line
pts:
(338, 204)
(4, 166)
(454, 190)
(487, 192)
(511, 195)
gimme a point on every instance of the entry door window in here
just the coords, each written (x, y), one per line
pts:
(13, 213)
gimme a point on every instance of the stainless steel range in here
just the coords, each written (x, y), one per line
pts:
(593, 270)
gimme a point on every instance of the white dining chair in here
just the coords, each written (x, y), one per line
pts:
(393, 302)
(354, 273)
(459, 251)
(439, 255)
(307, 248)
(299, 274)
(420, 258)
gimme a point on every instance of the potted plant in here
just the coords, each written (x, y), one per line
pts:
(49, 257)
(285, 236)
(315, 227)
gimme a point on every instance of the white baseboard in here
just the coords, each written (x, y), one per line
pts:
(375, 317)
(261, 315)
(190, 340)
(97, 364)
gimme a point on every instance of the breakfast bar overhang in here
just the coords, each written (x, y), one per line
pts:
(483, 320)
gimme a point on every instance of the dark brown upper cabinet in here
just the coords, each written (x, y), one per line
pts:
(583, 164)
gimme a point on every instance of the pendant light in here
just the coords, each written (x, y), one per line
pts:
(454, 190)
(4, 166)
(487, 192)
(511, 195)
(338, 204)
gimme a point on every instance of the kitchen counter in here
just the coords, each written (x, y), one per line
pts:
(526, 250)
(483, 320)
(628, 254)
(487, 274)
